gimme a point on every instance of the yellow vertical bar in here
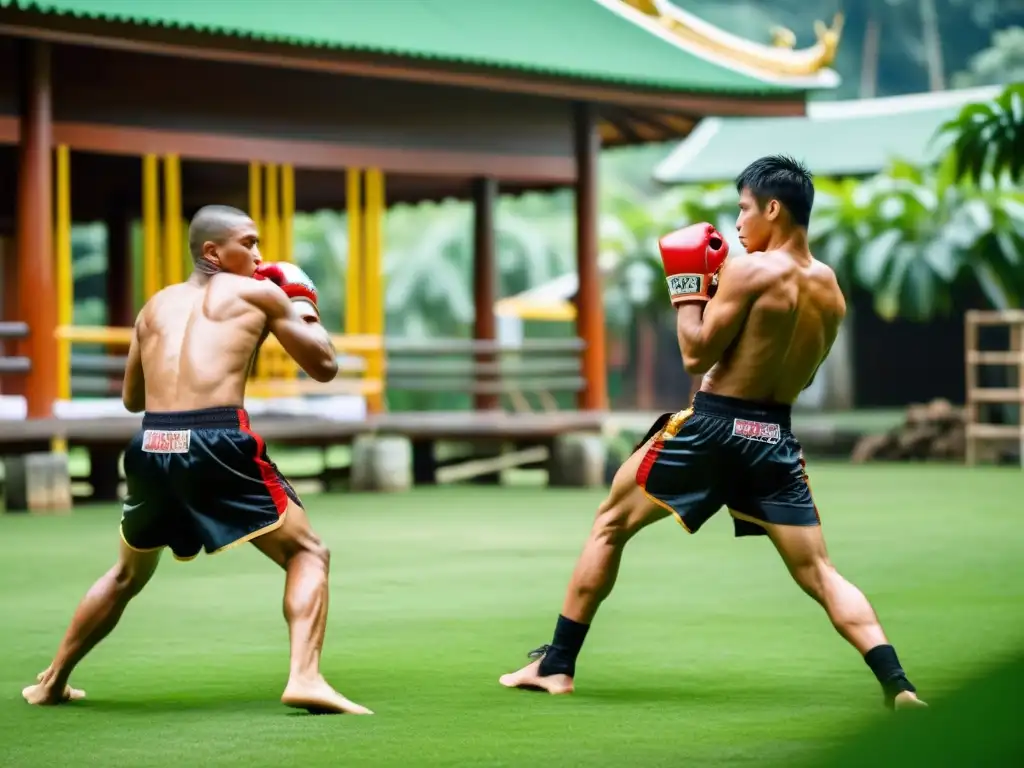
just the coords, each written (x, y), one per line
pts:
(172, 221)
(186, 255)
(272, 224)
(65, 275)
(373, 279)
(150, 227)
(256, 194)
(289, 368)
(354, 276)
(287, 213)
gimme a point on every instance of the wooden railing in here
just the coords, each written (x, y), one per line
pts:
(13, 364)
(541, 368)
(100, 372)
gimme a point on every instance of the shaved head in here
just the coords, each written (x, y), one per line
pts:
(213, 224)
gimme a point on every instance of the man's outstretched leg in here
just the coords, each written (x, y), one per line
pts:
(625, 512)
(803, 550)
(95, 617)
(306, 562)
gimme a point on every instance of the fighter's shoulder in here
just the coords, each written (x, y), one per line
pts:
(750, 271)
(262, 294)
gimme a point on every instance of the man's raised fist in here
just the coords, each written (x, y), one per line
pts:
(293, 281)
(692, 257)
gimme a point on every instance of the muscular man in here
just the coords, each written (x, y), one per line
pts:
(198, 476)
(758, 343)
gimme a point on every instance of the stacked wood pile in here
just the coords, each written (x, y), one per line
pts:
(930, 432)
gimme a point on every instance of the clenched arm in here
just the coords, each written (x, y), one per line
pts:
(133, 389)
(705, 330)
(297, 326)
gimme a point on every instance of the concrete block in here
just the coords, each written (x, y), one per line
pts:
(578, 461)
(37, 482)
(381, 463)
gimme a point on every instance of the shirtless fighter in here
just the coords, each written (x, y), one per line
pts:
(758, 342)
(198, 476)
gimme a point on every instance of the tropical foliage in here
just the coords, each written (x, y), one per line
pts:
(912, 237)
(988, 138)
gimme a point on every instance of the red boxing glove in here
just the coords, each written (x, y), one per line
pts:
(692, 257)
(293, 281)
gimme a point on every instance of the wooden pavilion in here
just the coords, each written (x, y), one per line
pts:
(117, 111)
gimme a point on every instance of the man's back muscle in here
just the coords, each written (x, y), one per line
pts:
(197, 342)
(791, 325)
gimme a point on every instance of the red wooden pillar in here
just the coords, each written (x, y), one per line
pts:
(10, 385)
(35, 229)
(589, 300)
(485, 283)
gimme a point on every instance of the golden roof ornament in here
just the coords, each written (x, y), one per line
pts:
(779, 58)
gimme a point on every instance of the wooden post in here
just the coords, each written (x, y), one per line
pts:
(589, 300)
(10, 385)
(485, 281)
(36, 277)
(373, 278)
(270, 235)
(64, 270)
(152, 276)
(173, 264)
(354, 274)
(256, 195)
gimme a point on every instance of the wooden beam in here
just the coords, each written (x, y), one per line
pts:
(589, 298)
(477, 467)
(35, 230)
(321, 155)
(195, 45)
(485, 278)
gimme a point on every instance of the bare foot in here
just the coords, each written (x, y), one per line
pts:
(44, 694)
(530, 679)
(318, 698)
(908, 700)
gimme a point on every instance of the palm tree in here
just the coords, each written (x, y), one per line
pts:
(988, 138)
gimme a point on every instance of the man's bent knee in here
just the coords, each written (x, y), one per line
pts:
(293, 538)
(620, 519)
(133, 571)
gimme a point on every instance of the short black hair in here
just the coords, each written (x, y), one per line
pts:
(782, 178)
(212, 223)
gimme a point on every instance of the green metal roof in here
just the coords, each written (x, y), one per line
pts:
(836, 138)
(567, 38)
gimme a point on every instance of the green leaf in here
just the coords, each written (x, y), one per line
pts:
(887, 296)
(875, 258)
(919, 291)
(1010, 248)
(943, 258)
(992, 286)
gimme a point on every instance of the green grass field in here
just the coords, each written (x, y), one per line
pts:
(705, 655)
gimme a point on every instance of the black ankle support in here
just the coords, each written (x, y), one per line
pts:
(560, 655)
(883, 662)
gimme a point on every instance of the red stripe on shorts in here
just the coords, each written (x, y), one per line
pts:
(271, 480)
(647, 463)
(807, 480)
